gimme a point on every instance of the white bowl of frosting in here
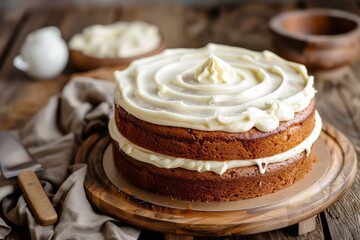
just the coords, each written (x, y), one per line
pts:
(118, 43)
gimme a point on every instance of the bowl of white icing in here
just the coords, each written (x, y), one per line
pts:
(116, 44)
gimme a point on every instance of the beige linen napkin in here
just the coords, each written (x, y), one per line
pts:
(53, 136)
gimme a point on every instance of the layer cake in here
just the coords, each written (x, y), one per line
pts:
(218, 123)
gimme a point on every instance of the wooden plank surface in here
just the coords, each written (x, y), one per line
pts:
(20, 95)
(9, 24)
(338, 101)
(242, 24)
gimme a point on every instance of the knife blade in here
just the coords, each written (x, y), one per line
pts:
(16, 160)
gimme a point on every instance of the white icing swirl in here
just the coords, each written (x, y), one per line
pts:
(219, 167)
(120, 39)
(248, 89)
(215, 71)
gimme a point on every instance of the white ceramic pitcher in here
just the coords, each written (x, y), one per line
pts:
(44, 54)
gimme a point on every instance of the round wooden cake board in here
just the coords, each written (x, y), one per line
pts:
(331, 177)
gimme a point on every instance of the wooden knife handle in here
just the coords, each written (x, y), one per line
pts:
(37, 199)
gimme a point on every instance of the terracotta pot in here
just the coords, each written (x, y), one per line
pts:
(321, 39)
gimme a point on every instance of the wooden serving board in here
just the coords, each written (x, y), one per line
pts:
(186, 222)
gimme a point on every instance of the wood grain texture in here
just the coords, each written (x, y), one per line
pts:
(306, 226)
(20, 95)
(9, 24)
(339, 103)
(242, 24)
(177, 237)
(108, 198)
(35, 196)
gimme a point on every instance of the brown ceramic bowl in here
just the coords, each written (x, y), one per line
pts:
(86, 62)
(321, 39)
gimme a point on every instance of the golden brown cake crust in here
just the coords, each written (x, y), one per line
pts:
(216, 145)
(234, 184)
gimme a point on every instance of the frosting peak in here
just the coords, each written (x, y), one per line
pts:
(214, 70)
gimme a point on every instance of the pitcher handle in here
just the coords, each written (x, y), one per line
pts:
(20, 64)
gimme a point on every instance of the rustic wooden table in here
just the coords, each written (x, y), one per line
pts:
(243, 24)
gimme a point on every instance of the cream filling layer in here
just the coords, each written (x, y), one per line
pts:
(219, 167)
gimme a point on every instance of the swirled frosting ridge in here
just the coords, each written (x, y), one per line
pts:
(214, 88)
